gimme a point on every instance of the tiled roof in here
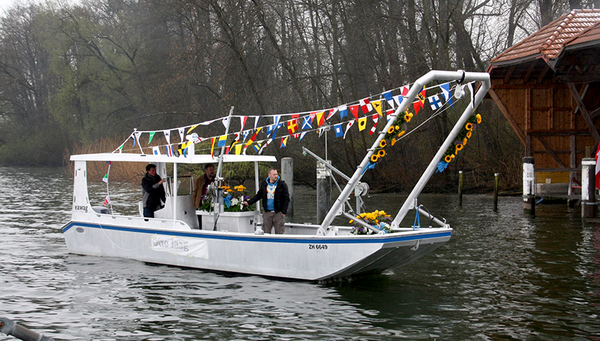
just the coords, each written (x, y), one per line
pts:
(549, 41)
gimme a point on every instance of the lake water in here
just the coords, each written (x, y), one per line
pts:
(503, 275)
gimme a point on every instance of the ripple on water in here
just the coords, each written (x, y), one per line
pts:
(502, 275)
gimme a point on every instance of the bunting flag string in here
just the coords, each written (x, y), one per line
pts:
(375, 119)
(304, 121)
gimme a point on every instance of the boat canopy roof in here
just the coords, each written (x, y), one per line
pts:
(193, 159)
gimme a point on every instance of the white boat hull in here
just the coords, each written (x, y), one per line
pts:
(302, 257)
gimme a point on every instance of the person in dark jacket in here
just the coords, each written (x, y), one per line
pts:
(153, 191)
(275, 200)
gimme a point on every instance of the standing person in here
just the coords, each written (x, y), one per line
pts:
(276, 198)
(201, 186)
(153, 191)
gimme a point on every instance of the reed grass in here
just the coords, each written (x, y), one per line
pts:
(119, 171)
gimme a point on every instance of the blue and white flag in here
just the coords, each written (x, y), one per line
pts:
(435, 102)
(447, 94)
(343, 111)
(155, 151)
(307, 122)
(389, 98)
(339, 132)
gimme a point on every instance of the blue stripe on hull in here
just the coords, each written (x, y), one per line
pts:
(323, 240)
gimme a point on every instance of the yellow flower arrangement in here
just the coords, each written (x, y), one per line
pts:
(465, 141)
(226, 188)
(383, 143)
(478, 118)
(393, 141)
(374, 158)
(397, 127)
(469, 134)
(408, 117)
(379, 219)
(381, 153)
(401, 133)
(459, 147)
(469, 126)
(239, 188)
(448, 158)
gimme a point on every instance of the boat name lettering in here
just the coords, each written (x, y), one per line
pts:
(171, 244)
(317, 247)
(80, 208)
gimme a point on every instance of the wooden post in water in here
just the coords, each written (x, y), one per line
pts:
(323, 191)
(460, 187)
(528, 185)
(287, 175)
(496, 185)
(588, 185)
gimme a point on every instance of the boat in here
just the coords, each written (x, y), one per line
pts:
(234, 242)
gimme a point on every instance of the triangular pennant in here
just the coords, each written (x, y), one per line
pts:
(267, 142)
(212, 146)
(245, 134)
(105, 178)
(389, 98)
(417, 105)
(404, 90)
(132, 136)
(283, 142)
(302, 135)
(331, 113)
(181, 133)
(258, 145)
(167, 136)
(243, 120)
(398, 99)
(447, 94)
(192, 128)
(470, 86)
(225, 121)
(354, 111)
(256, 120)
(137, 135)
(151, 136)
(377, 107)
(253, 137)
(350, 124)
(375, 120)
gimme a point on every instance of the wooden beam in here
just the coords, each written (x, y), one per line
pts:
(543, 74)
(529, 71)
(509, 73)
(559, 132)
(551, 152)
(529, 86)
(507, 115)
(584, 111)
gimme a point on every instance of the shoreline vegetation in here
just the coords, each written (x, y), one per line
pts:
(78, 74)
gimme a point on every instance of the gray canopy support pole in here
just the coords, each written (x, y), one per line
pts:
(414, 90)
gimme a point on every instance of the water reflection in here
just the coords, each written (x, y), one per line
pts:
(502, 275)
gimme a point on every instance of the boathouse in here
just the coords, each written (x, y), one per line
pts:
(547, 87)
